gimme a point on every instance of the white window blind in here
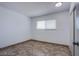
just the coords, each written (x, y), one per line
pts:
(46, 24)
(51, 24)
(40, 24)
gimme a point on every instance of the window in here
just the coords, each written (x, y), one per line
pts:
(40, 24)
(46, 24)
(51, 24)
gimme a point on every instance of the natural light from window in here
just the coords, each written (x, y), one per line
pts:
(46, 24)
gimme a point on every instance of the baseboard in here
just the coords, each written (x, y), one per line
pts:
(49, 42)
(15, 44)
(34, 40)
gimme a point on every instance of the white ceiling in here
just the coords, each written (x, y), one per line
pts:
(32, 9)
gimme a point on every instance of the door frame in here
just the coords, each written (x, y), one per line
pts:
(74, 32)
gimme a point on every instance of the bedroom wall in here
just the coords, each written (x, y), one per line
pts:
(62, 33)
(14, 27)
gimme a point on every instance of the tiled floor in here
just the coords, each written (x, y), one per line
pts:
(35, 48)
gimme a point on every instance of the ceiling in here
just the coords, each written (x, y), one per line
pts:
(32, 9)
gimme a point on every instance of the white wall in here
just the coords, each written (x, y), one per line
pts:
(71, 33)
(61, 35)
(14, 27)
